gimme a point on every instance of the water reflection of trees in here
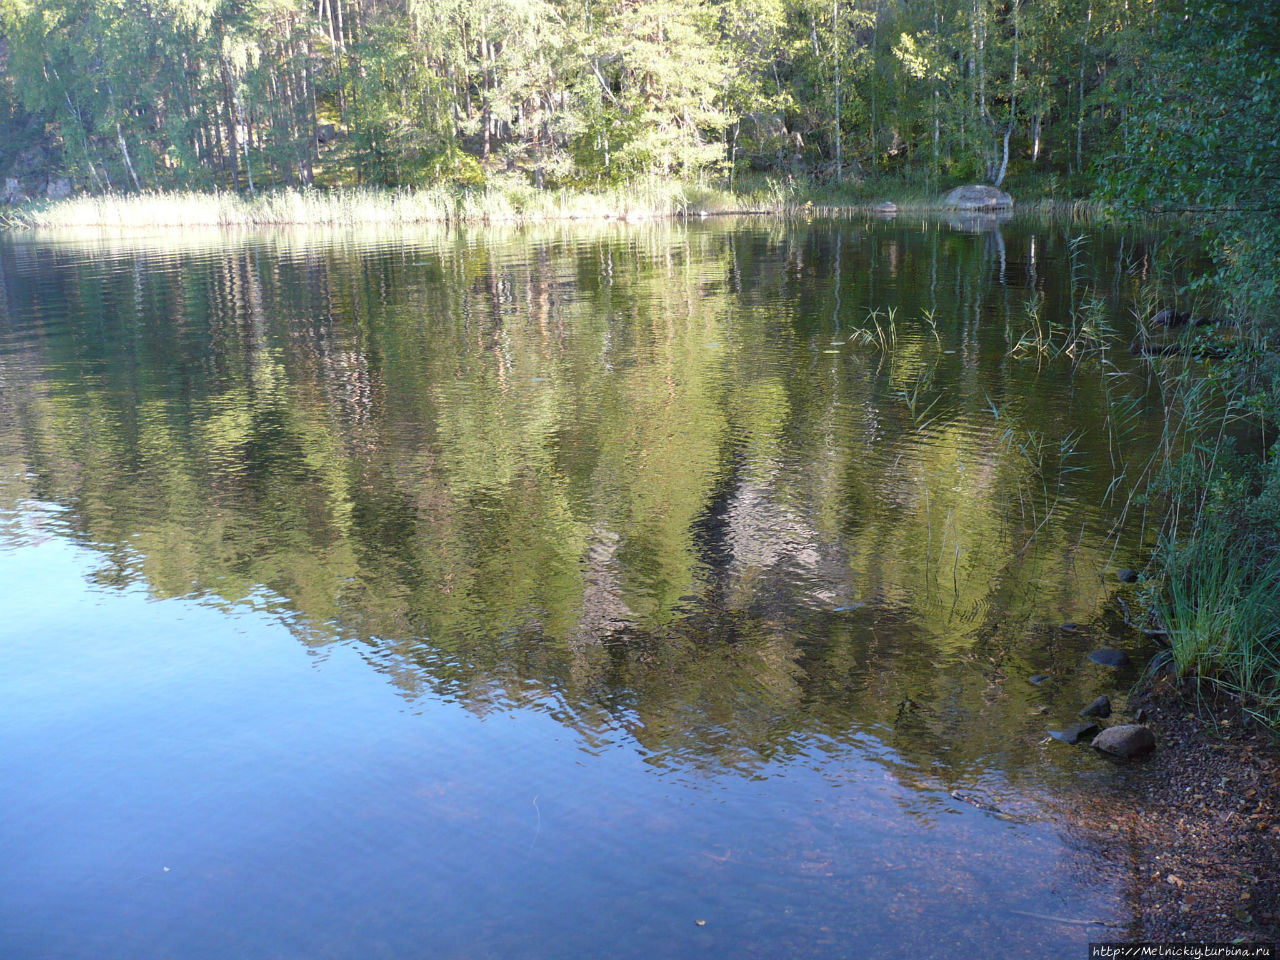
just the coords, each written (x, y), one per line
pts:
(630, 475)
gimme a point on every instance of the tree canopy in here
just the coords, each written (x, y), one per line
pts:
(244, 94)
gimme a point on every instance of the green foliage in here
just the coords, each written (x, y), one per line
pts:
(245, 94)
(1222, 613)
(1202, 136)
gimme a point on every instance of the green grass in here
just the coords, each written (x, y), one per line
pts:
(1221, 608)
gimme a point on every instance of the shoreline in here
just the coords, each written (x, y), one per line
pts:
(1192, 832)
(363, 206)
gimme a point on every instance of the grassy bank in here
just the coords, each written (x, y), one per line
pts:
(505, 200)
(1214, 590)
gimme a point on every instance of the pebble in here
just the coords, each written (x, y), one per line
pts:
(1075, 733)
(1099, 708)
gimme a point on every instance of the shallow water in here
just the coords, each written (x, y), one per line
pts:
(580, 593)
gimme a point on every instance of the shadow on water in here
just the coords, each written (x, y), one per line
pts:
(647, 486)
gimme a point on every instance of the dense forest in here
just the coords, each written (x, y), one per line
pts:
(1154, 101)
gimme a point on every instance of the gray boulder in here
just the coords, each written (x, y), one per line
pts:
(59, 188)
(1126, 741)
(29, 163)
(1170, 318)
(978, 197)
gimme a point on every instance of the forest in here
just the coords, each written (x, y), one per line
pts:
(1149, 102)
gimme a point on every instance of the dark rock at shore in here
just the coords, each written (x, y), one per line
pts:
(1038, 678)
(1075, 733)
(974, 197)
(1069, 627)
(1108, 657)
(1170, 318)
(1099, 708)
(1125, 741)
(1127, 576)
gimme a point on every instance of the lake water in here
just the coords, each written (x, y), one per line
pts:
(595, 592)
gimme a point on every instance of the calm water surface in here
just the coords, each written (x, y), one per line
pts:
(592, 593)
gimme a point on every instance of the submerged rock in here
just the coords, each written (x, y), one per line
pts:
(1099, 708)
(1170, 318)
(978, 197)
(1125, 741)
(1038, 678)
(1110, 658)
(1075, 733)
(1127, 576)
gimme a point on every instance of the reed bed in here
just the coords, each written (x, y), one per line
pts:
(502, 203)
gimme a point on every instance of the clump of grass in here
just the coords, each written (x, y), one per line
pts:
(885, 337)
(1221, 608)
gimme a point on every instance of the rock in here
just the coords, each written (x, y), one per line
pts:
(886, 207)
(326, 133)
(1075, 733)
(1127, 576)
(1110, 658)
(1126, 741)
(1170, 318)
(1099, 708)
(59, 188)
(1069, 627)
(13, 191)
(1163, 668)
(977, 197)
(1038, 678)
(29, 162)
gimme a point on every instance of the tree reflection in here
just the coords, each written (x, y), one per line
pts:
(637, 476)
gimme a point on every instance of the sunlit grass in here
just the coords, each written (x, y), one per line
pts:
(505, 199)
(503, 202)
